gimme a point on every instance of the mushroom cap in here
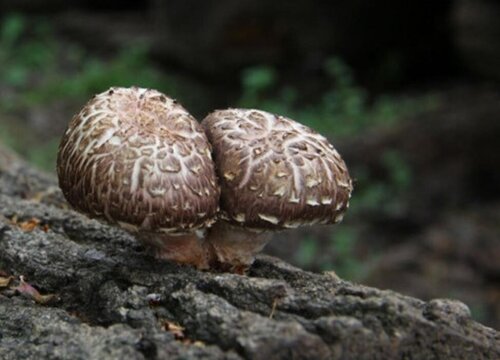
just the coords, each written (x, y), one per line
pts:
(275, 173)
(137, 158)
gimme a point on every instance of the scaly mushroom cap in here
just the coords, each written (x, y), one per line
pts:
(275, 173)
(137, 158)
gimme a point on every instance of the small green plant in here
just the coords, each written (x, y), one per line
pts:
(400, 173)
(129, 68)
(40, 70)
(26, 56)
(344, 109)
(381, 196)
(343, 242)
(307, 252)
(339, 253)
(386, 194)
(255, 81)
(37, 71)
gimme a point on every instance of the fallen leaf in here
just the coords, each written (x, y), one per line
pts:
(14, 220)
(5, 281)
(45, 299)
(273, 307)
(41, 195)
(29, 291)
(29, 225)
(332, 274)
(175, 329)
(179, 335)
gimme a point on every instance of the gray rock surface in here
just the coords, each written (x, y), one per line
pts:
(114, 301)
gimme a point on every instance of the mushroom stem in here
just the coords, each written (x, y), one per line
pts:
(188, 249)
(234, 248)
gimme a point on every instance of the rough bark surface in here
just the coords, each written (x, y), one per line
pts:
(114, 301)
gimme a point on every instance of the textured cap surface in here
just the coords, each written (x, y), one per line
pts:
(137, 158)
(275, 173)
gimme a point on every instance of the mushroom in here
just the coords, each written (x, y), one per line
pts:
(275, 174)
(136, 158)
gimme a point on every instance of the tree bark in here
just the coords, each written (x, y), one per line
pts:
(112, 300)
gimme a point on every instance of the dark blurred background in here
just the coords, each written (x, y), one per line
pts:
(408, 92)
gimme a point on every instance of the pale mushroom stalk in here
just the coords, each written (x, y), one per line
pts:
(136, 158)
(234, 247)
(189, 249)
(275, 174)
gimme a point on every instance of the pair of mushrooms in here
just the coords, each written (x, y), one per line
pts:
(208, 195)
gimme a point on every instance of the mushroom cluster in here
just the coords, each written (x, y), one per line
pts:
(208, 195)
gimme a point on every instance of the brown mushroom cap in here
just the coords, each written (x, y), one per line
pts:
(137, 158)
(275, 173)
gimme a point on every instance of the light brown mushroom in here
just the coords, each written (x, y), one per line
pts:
(136, 158)
(275, 174)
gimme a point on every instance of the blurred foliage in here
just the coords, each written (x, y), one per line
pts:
(343, 243)
(42, 69)
(340, 256)
(384, 197)
(37, 70)
(308, 251)
(344, 109)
